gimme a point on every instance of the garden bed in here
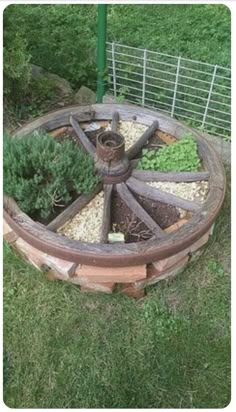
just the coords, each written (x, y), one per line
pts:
(146, 206)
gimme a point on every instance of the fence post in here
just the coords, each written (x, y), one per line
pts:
(144, 75)
(114, 68)
(176, 85)
(209, 95)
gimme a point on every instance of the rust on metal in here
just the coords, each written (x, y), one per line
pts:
(110, 146)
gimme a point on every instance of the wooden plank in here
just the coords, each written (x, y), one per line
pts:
(73, 209)
(150, 176)
(115, 121)
(158, 195)
(82, 138)
(106, 219)
(133, 151)
(138, 210)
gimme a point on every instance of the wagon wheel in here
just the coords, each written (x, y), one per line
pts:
(118, 172)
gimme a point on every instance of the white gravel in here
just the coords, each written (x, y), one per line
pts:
(86, 225)
(194, 191)
(131, 131)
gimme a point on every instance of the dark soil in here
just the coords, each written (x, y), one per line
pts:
(124, 220)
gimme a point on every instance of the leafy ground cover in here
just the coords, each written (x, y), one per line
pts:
(181, 156)
(63, 348)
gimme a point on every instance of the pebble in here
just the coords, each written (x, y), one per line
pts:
(131, 131)
(86, 225)
(193, 191)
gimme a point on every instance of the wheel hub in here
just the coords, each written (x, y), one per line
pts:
(110, 158)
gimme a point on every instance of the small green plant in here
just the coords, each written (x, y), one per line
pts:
(181, 156)
(161, 319)
(216, 268)
(41, 173)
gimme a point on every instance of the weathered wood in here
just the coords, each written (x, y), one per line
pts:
(158, 195)
(138, 210)
(116, 255)
(106, 218)
(73, 209)
(82, 138)
(134, 163)
(115, 121)
(133, 151)
(150, 176)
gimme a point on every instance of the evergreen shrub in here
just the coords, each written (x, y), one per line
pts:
(41, 173)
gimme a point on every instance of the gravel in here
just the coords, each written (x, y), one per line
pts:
(131, 131)
(194, 191)
(86, 225)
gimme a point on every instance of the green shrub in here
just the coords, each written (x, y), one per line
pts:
(181, 156)
(41, 173)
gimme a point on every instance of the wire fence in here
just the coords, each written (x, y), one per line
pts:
(195, 92)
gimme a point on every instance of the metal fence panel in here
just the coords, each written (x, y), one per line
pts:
(196, 92)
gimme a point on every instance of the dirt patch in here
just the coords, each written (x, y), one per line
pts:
(125, 221)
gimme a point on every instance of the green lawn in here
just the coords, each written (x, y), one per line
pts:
(66, 349)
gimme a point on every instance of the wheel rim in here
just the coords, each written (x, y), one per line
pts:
(142, 252)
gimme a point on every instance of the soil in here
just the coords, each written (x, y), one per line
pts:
(123, 219)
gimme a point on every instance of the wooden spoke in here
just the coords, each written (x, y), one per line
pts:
(73, 209)
(158, 195)
(106, 219)
(138, 210)
(149, 176)
(115, 122)
(82, 138)
(133, 151)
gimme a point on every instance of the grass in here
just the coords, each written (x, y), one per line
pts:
(66, 349)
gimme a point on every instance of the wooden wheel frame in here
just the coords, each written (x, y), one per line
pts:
(162, 245)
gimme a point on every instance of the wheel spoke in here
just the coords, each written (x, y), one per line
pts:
(145, 190)
(133, 151)
(73, 209)
(106, 219)
(115, 122)
(138, 210)
(149, 176)
(81, 137)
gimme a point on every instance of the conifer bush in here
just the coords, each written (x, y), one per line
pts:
(41, 173)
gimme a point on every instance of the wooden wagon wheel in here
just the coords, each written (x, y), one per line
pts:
(118, 172)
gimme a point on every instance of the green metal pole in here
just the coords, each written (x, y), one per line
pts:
(101, 50)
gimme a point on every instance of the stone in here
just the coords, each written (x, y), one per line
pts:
(165, 264)
(62, 85)
(59, 83)
(85, 96)
(199, 243)
(131, 291)
(59, 132)
(8, 233)
(154, 276)
(176, 226)
(108, 98)
(96, 274)
(36, 71)
(33, 255)
(64, 268)
(106, 287)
